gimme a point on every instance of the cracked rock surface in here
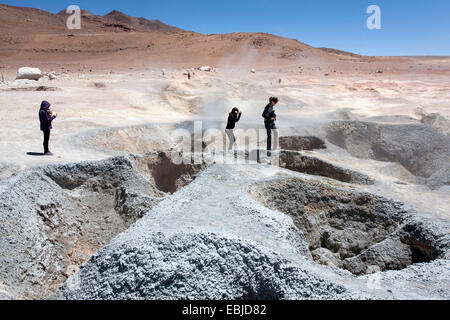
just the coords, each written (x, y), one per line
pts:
(359, 232)
(420, 148)
(53, 219)
(214, 240)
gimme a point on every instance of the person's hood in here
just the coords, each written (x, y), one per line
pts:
(45, 105)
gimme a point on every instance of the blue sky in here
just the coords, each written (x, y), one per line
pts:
(409, 27)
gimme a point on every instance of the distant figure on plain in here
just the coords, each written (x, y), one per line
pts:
(270, 118)
(189, 76)
(233, 118)
(46, 118)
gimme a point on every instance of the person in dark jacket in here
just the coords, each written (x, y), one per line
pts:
(233, 117)
(270, 118)
(46, 118)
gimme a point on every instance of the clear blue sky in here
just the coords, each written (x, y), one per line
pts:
(409, 27)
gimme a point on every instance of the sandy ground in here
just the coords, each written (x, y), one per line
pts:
(87, 103)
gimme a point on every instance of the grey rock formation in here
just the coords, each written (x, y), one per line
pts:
(190, 247)
(420, 148)
(390, 254)
(53, 219)
(299, 162)
(439, 179)
(327, 257)
(212, 239)
(438, 121)
(365, 232)
(295, 143)
(195, 266)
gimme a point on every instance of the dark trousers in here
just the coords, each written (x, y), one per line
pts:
(46, 140)
(272, 132)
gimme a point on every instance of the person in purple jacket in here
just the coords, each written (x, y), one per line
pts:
(46, 117)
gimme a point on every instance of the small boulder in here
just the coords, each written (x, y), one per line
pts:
(390, 254)
(205, 68)
(20, 82)
(29, 74)
(327, 258)
(52, 76)
(44, 88)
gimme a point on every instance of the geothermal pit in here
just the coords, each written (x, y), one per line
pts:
(73, 210)
(143, 227)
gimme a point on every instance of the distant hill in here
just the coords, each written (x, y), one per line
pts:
(119, 40)
(84, 13)
(139, 24)
(30, 20)
(340, 52)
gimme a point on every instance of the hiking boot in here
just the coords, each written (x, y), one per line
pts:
(48, 154)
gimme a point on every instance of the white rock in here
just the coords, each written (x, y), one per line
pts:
(205, 68)
(20, 82)
(52, 76)
(253, 71)
(29, 73)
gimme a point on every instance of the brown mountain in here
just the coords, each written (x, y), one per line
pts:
(84, 13)
(15, 20)
(139, 24)
(116, 41)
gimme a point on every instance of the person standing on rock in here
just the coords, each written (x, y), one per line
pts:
(46, 118)
(233, 118)
(270, 118)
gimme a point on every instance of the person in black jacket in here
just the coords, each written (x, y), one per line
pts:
(46, 118)
(233, 117)
(270, 118)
